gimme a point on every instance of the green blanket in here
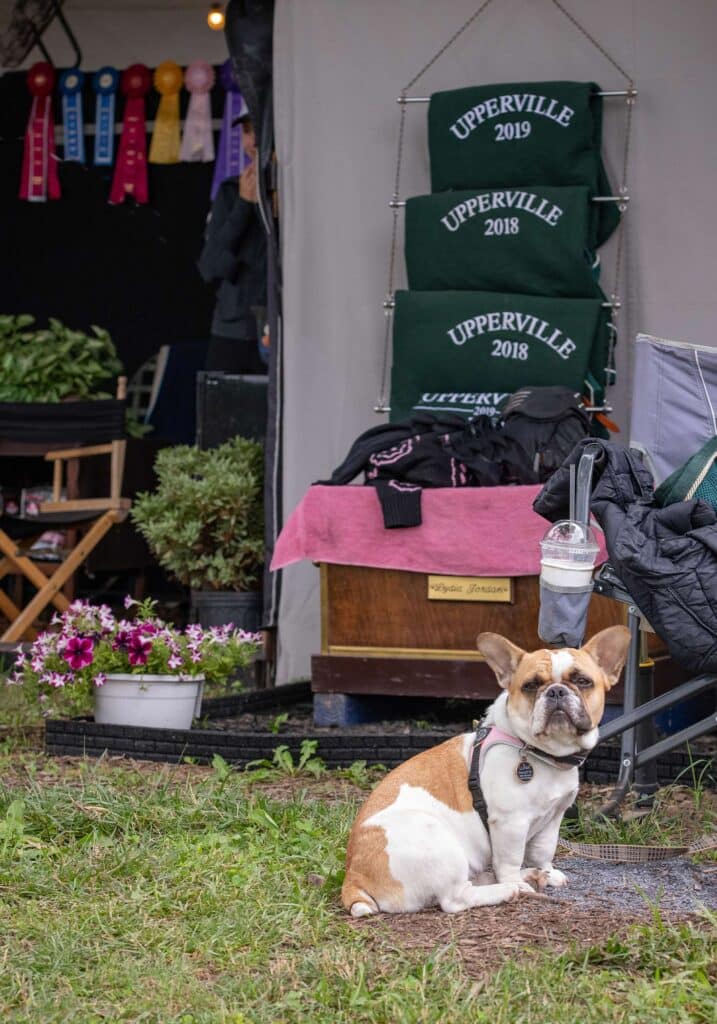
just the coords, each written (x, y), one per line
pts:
(504, 135)
(466, 351)
(537, 241)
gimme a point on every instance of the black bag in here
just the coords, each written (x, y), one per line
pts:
(547, 423)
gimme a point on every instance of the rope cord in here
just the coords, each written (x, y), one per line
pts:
(381, 404)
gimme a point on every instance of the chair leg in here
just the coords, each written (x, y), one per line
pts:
(49, 591)
(627, 748)
(646, 784)
(29, 570)
(11, 611)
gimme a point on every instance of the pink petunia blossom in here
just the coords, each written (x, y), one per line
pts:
(175, 661)
(100, 679)
(139, 649)
(79, 652)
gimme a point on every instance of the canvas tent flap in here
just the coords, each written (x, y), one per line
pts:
(504, 135)
(494, 343)
(537, 240)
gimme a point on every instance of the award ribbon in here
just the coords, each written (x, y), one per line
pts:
(198, 141)
(130, 177)
(40, 180)
(71, 90)
(230, 158)
(105, 82)
(164, 148)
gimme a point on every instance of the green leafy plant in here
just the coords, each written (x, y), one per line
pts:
(54, 363)
(277, 722)
(205, 521)
(284, 760)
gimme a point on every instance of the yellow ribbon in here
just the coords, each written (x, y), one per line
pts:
(164, 148)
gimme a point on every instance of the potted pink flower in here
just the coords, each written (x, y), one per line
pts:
(139, 671)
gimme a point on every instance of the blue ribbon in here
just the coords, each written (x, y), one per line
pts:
(105, 82)
(71, 91)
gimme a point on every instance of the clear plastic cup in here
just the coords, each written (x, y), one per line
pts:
(568, 553)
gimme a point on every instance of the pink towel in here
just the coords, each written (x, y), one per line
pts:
(466, 531)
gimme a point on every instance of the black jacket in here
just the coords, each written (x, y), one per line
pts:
(665, 557)
(234, 258)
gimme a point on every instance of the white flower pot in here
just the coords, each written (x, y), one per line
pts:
(159, 702)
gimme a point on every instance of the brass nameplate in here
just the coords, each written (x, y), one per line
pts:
(470, 588)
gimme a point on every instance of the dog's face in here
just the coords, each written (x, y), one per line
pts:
(556, 698)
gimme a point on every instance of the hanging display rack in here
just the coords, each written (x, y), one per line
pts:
(396, 204)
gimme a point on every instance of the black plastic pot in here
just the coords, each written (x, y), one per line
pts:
(219, 607)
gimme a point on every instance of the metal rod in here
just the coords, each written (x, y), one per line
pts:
(626, 773)
(689, 689)
(390, 304)
(69, 33)
(398, 204)
(629, 93)
(583, 489)
(676, 740)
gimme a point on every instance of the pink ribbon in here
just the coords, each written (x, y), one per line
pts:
(198, 141)
(40, 180)
(130, 177)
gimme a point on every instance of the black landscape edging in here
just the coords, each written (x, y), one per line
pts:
(256, 700)
(339, 748)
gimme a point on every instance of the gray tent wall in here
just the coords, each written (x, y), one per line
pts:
(338, 67)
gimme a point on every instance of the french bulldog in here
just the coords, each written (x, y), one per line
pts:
(418, 841)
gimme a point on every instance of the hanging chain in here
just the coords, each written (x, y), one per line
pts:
(381, 405)
(593, 40)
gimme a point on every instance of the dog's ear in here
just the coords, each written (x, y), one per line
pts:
(502, 656)
(609, 650)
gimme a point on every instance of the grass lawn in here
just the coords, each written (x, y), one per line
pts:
(147, 893)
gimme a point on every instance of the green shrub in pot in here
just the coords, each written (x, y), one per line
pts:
(55, 363)
(205, 521)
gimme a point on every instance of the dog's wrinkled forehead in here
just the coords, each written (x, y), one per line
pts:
(561, 666)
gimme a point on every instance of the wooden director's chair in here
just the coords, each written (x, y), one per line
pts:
(86, 519)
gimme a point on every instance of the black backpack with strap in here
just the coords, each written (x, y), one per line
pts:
(546, 423)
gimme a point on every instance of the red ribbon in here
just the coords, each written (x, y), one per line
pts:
(40, 180)
(130, 177)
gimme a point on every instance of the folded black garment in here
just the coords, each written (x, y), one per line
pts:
(504, 135)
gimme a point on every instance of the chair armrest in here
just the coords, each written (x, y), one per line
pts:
(79, 453)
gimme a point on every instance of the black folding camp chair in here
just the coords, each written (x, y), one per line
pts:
(639, 746)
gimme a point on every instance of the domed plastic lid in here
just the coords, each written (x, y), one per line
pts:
(569, 542)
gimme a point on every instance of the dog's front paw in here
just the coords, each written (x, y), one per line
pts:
(556, 879)
(536, 877)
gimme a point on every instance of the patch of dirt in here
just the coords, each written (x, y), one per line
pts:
(485, 938)
(422, 716)
(327, 789)
(443, 717)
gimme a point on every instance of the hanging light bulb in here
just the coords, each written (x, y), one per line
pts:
(215, 17)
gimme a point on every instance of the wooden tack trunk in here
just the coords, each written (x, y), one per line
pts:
(382, 634)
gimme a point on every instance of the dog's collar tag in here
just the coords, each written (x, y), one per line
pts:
(524, 771)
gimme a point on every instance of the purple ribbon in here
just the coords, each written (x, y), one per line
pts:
(231, 158)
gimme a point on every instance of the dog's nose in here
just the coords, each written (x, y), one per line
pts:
(557, 692)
